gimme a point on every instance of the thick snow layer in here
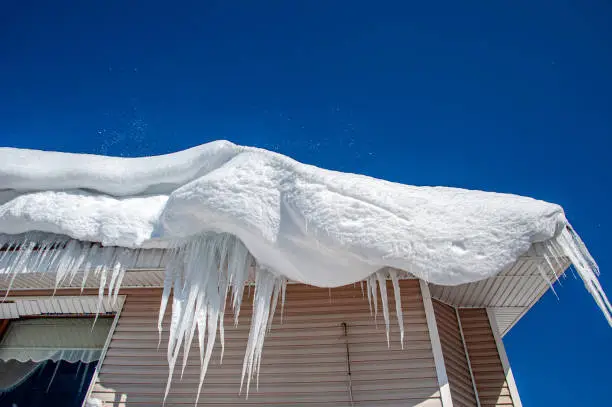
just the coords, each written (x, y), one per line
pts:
(311, 225)
(83, 215)
(36, 170)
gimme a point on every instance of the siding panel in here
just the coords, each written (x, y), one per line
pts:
(304, 361)
(455, 360)
(488, 371)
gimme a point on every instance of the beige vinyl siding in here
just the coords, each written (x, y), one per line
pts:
(304, 360)
(455, 360)
(487, 368)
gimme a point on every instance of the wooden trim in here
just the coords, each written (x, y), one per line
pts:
(94, 377)
(436, 346)
(467, 357)
(514, 394)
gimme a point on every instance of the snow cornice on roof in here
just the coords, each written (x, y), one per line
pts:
(218, 209)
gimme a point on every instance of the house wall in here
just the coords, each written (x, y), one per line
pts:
(304, 361)
(473, 359)
(455, 358)
(488, 371)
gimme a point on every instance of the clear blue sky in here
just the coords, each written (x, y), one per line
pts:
(511, 96)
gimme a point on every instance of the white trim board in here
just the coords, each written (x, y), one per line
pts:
(17, 307)
(467, 357)
(514, 394)
(111, 332)
(436, 346)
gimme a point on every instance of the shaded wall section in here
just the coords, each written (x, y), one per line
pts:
(455, 359)
(489, 376)
(306, 360)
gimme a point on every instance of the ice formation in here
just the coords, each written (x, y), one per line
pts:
(227, 213)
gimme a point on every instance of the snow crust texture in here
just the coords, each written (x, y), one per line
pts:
(307, 224)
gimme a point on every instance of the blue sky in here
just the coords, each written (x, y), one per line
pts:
(501, 96)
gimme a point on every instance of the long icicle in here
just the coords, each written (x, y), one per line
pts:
(382, 284)
(572, 246)
(372, 285)
(369, 291)
(266, 284)
(398, 304)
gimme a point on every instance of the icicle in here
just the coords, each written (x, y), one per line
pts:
(238, 264)
(171, 272)
(547, 280)
(283, 293)
(188, 339)
(372, 286)
(398, 304)
(124, 260)
(213, 315)
(224, 284)
(550, 256)
(115, 271)
(102, 271)
(8, 246)
(382, 284)
(278, 289)
(119, 279)
(201, 253)
(553, 253)
(92, 255)
(56, 250)
(265, 286)
(65, 263)
(82, 261)
(177, 304)
(39, 261)
(201, 276)
(222, 335)
(23, 256)
(44, 253)
(572, 246)
(369, 291)
(201, 326)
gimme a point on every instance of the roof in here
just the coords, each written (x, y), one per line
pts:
(509, 295)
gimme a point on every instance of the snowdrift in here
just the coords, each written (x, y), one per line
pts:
(222, 209)
(307, 224)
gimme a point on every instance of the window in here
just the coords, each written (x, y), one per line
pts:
(50, 361)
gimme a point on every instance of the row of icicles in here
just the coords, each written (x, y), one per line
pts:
(200, 275)
(203, 272)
